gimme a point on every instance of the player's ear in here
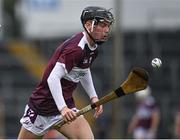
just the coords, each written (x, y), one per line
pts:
(88, 25)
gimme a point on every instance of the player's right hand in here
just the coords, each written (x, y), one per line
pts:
(68, 114)
(99, 109)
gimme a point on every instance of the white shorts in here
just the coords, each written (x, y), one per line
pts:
(141, 133)
(37, 124)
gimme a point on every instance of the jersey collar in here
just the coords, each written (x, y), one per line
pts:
(92, 48)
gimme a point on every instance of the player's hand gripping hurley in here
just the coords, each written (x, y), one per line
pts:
(137, 80)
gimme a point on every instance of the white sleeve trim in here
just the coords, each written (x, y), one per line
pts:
(55, 85)
(88, 85)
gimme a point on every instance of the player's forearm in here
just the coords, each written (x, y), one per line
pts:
(133, 123)
(155, 120)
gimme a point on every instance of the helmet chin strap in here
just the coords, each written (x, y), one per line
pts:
(88, 32)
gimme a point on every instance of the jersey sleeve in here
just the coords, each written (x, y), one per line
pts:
(55, 86)
(70, 58)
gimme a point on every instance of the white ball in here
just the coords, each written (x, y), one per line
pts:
(156, 63)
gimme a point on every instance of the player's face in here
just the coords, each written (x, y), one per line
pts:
(101, 31)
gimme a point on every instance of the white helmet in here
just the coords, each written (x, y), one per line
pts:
(140, 95)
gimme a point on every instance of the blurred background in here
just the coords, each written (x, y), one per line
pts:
(31, 30)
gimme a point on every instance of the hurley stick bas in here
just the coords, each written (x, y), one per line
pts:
(137, 80)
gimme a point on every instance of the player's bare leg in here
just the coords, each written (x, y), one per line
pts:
(25, 134)
(78, 129)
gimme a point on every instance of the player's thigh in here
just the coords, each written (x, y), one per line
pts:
(78, 129)
(25, 134)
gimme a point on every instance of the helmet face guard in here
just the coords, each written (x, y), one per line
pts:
(97, 14)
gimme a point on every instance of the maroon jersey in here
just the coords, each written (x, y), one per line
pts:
(77, 57)
(145, 111)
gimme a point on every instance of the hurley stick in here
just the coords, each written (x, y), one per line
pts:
(137, 80)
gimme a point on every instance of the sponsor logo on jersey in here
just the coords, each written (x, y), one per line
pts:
(85, 61)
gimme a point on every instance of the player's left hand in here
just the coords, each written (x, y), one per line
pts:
(99, 109)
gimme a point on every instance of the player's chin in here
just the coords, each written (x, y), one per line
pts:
(105, 38)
